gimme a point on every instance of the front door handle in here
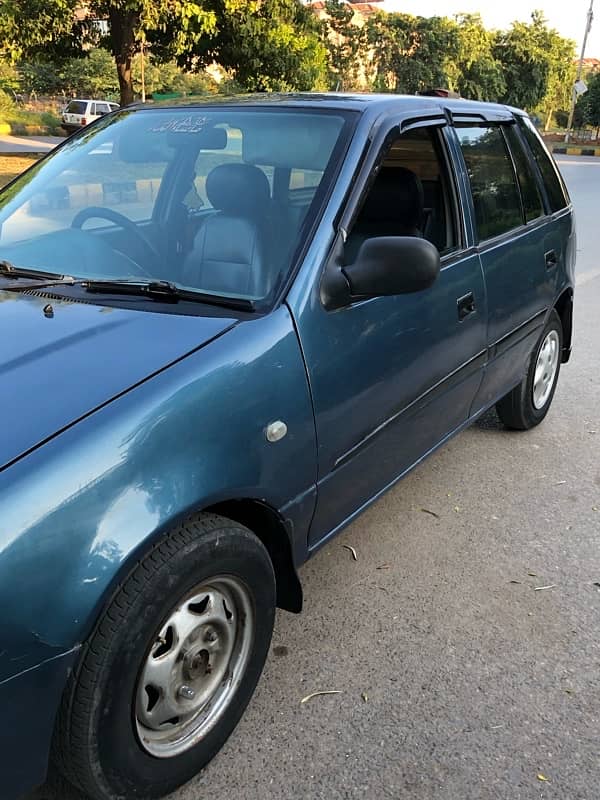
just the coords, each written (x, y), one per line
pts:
(550, 259)
(466, 305)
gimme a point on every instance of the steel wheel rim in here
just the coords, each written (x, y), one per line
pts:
(194, 666)
(545, 369)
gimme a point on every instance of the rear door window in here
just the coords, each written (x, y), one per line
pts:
(496, 196)
(533, 205)
(555, 188)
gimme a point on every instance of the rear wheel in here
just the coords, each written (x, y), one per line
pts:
(171, 665)
(528, 403)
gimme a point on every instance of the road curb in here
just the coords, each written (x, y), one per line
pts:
(21, 153)
(576, 151)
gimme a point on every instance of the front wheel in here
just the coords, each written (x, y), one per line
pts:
(528, 403)
(171, 665)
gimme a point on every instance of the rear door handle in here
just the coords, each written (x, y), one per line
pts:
(550, 259)
(466, 305)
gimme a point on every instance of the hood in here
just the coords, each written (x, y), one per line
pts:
(55, 369)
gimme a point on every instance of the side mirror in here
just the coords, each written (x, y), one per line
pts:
(388, 265)
(385, 265)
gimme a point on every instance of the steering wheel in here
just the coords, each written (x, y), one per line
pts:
(98, 212)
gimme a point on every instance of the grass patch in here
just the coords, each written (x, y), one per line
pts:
(23, 122)
(37, 123)
(11, 166)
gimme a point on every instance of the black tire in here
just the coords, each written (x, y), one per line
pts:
(96, 744)
(517, 409)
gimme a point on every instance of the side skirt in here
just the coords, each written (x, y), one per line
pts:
(317, 546)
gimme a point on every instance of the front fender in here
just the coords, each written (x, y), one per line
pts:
(78, 510)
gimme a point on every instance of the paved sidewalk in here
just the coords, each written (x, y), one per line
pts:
(28, 144)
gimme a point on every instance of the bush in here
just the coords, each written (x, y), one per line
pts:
(9, 77)
(20, 122)
(6, 103)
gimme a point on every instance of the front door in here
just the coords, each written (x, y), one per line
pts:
(391, 377)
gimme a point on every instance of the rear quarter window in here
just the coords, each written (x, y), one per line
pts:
(533, 205)
(555, 188)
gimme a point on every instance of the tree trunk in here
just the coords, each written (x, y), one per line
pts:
(125, 82)
(123, 26)
(548, 120)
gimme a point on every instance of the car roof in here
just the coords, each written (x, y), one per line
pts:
(338, 100)
(91, 100)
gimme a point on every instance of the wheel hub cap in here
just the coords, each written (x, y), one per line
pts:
(194, 667)
(545, 369)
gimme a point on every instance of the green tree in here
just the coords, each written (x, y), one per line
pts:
(268, 45)
(537, 64)
(412, 53)
(91, 76)
(132, 21)
(346, 44)
(479, 74)
(169, 77)
(40, 76)
(29, 28)
(10, 80)
(590, 102)
(561, 74)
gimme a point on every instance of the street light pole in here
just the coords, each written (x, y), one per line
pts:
(142, 70)
(588, 27)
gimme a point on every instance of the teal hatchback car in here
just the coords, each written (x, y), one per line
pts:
(225, 330)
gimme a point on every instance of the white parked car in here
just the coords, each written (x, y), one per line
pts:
(79, 113)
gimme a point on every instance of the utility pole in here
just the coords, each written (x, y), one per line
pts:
(588, 27)
(142, 70)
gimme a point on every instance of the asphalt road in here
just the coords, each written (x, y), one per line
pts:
(28, 144)
(459, 681)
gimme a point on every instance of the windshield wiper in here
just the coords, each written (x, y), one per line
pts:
(166, 292)
(11, 271)
(161, 291)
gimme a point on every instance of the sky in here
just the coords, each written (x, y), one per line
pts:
(567, 17)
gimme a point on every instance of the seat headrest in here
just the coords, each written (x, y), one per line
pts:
(396, 196)
(238, 189)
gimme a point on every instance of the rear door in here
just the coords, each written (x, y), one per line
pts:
(519, 261)
(75, 112)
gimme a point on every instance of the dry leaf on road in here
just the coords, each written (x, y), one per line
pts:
(352, 550)
(318, 694)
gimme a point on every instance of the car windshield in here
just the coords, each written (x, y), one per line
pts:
(210, 199)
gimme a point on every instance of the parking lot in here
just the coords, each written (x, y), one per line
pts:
(463, 640)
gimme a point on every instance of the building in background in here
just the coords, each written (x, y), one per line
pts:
(361, 10)
(590, 65)
(98, 25)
